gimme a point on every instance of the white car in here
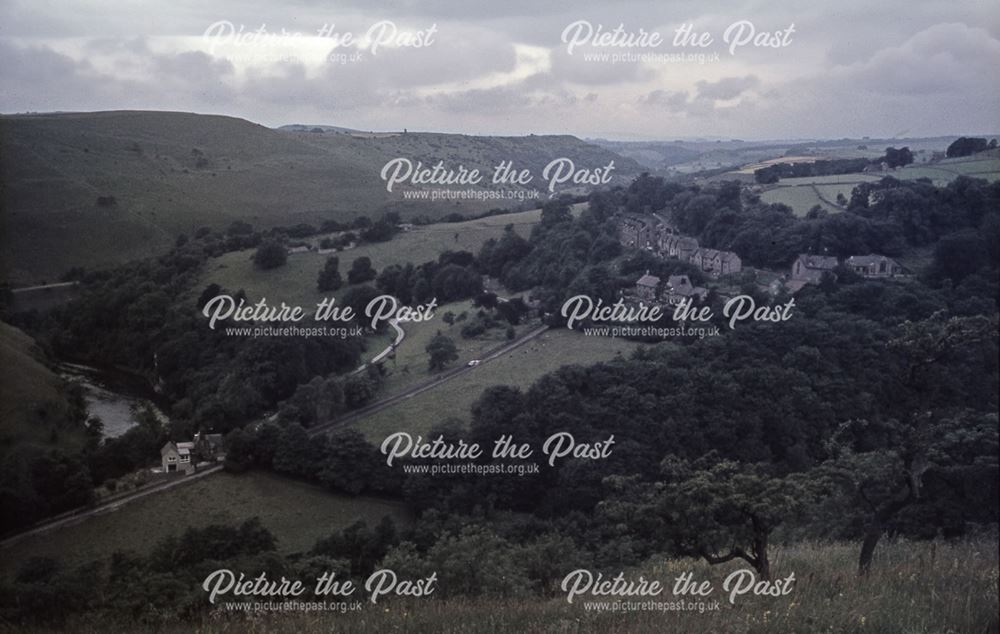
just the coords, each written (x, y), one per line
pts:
(473, 363)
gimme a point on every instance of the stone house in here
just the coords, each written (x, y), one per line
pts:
(679, 288)
(810, 268)
(645, 287)
(183, 457)
(635, 232)
(715, 262)
(178, 457)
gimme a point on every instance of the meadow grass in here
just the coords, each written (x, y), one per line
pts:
(914, 588)
(297, 513)
(409, 367)
(521, 367)
(800, 198)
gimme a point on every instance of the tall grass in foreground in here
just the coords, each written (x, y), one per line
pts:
(914, 587)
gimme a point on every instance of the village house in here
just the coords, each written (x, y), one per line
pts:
(809, 269)
(715, 262)
(874, 266)
(645, 288)
(635, 232)
(679, 288)
(177, 457)
(679, 247)
(184, 457)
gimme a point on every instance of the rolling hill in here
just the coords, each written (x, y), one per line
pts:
(34, 408)
(97, 189)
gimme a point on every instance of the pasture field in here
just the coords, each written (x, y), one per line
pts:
(800, 198)
(409, 367)
(519, 368)
(297, 514)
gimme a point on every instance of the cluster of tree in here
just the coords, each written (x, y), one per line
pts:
(452, 277)
(966, 146)
(324, 398)
(563, 256)
(160, 587)
(773, 173)
(270, 255)
(344, 461)
(896, 157)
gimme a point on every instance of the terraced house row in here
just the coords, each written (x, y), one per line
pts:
(652, 234)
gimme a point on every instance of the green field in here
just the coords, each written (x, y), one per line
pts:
(409, 367)
(295, 282)
(800, 198)
(297, 513)
(801, 194)
(520, 368)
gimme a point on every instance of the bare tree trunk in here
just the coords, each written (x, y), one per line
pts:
(762, 563)
(872, 537)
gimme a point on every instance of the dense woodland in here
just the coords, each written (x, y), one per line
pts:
(873, 412)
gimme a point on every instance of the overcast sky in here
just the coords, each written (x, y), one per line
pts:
(848, 68)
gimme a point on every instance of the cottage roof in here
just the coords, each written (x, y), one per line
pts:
(822, 262)
(648, 280)
(678, 281)
(867, 260)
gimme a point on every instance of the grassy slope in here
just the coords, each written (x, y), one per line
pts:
(801, 199)
(297, 513)
(916, 588)
(520, 368)
(410, 365)
(55, 166)
(296, 281)
(31, 403)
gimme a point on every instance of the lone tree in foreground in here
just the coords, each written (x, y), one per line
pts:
(270, 255)
(442, 351)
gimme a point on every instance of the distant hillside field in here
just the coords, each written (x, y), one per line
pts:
(97, 189)
(802, 194)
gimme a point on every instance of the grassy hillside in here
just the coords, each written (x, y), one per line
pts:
(33, 404)
(170, 173)
(297, 513)
(295, 282)
(520, 368)
(916, 588)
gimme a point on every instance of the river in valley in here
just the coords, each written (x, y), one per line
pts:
(112, 396)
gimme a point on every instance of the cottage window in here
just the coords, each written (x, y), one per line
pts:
(185, 458)
(171, 458)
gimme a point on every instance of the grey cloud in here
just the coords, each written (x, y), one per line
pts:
(726, 88)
